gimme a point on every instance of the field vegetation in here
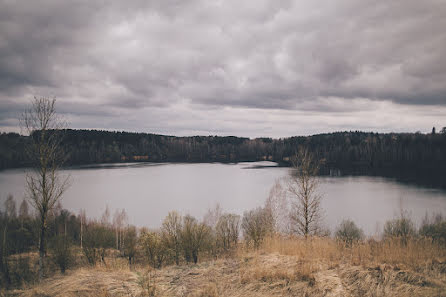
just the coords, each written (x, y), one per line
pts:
(188, 257)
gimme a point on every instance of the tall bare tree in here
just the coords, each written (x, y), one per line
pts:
(278, 204)
(45, 184)
(82, 218)
(171, 234)
(10, 207)
(119, 222)
(303, 185)
(227, 231)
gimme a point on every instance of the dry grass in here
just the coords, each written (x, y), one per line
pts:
(415, 254)
(85, 282)
(281, 267)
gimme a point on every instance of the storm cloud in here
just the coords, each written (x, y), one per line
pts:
(252, 68)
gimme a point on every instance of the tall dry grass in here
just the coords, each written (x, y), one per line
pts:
(415, 253)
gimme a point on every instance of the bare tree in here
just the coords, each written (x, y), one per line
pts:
(256, 225)
(131, 239)
(277, 204)
(193, 238)
(82, 218)
(303, 185)
(227, 230)
(119, 222)
(10, 207)
(213, 215)
(153, 248)
(45, 185)
(23, 210)
(171, 234)
(105, 218)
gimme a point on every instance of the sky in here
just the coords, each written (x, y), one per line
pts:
(252, 68)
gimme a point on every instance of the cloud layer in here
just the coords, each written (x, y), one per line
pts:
(272, 68)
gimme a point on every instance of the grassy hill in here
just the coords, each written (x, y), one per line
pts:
(281, 267)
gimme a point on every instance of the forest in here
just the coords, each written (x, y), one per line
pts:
(414, 157)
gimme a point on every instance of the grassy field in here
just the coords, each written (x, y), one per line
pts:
(281, 267)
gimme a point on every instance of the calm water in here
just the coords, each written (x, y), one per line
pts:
(149, 191)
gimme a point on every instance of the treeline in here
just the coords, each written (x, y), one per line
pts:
(76, 241)
(414, 157)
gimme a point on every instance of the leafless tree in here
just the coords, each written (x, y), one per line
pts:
(303, 185)
(171, 234)
(277, 204)
(213, 215)
(227, 230)
(153, 248)
(45, 184)
(23, 210)
(82, 218)
(10, 207)
(105, 218)
(256, 225)
(193, 236)
(119, 222)
(131, 239)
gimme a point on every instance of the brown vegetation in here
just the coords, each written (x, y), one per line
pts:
(282, 266)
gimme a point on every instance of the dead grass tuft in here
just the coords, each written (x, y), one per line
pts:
(209, 290)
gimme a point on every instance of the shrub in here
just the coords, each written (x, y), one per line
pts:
(227, 231)
(130, 241)
(434, 228)
(348, 232)
(403, 228)
(256, 225)
(194, 238)
(153, 248)
(61, 250)
(170, 234)
(96, 239)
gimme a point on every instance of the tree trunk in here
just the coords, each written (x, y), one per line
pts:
(82, 227)
(4, 257)
(42, 247)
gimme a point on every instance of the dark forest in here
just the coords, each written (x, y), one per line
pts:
(413, 157)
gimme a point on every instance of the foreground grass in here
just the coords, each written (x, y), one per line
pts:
(281, 267)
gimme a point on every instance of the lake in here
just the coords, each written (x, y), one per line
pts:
(148, 191)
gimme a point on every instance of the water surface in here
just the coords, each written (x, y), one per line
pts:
(149, 191)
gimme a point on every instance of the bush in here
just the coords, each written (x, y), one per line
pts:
(62, 254)
(256, 225)
(130, 242)
(348, 232)
(434, 228)
(194, 238)
(227, 231)
(403, 228)
(97, 238)
(152, 245)
(171, 233)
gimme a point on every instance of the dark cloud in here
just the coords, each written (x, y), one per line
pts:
(172, 57)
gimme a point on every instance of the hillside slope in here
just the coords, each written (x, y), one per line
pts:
(254, 274)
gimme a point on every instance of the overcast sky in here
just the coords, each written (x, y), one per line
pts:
(246, 68)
